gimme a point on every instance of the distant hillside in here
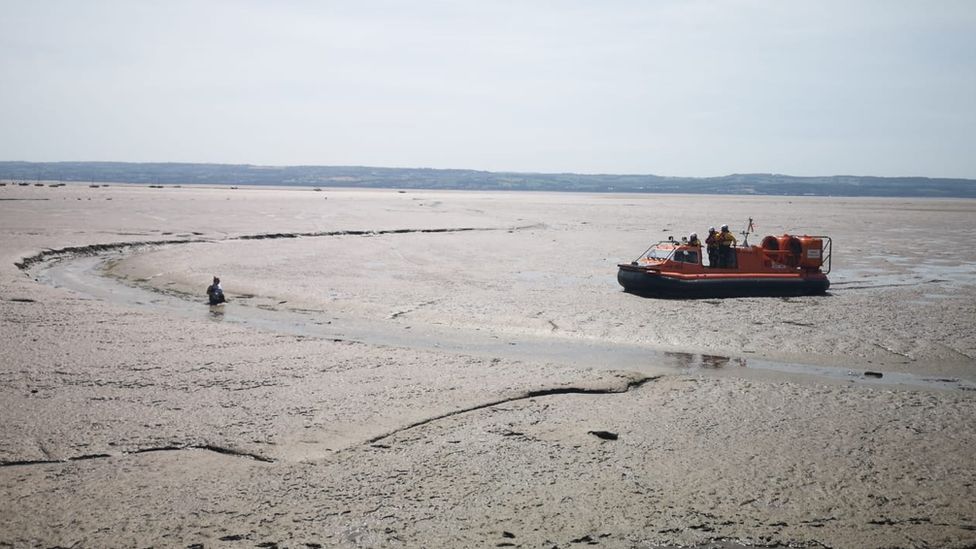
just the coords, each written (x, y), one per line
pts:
(422, 178)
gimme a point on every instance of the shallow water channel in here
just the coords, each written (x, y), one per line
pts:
(85, 275)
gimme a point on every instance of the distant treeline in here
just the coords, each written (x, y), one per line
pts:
(425, 178)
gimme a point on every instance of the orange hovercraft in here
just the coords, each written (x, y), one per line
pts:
(787, 265)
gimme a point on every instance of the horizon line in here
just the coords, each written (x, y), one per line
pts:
(427, 168)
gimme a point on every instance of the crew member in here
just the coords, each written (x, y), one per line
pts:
(726, 250)
(693, 240)
(711, 243)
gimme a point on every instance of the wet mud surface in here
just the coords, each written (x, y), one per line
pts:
(85, 271)
(380, 379)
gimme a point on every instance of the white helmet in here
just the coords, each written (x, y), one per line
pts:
(711, 229)
(693, 235)
(725, 227)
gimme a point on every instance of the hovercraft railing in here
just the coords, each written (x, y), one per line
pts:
(643, 254)
(827, 253)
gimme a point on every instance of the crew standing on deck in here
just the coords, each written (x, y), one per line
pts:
(726, 250)
(693, 240)
(711, 243)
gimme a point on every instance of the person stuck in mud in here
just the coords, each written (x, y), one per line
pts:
(215, 292)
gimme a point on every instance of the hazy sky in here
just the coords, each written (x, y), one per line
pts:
(666, 87)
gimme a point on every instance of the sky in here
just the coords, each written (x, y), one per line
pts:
(674, 88)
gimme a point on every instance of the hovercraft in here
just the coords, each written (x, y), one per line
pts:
(781, 266)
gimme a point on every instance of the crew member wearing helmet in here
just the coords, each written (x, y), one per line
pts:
(726, 253)
(711, 243)
(693, 240)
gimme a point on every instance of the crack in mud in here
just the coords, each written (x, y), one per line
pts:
(416, 307)
(91, 249)
(373, 232)
(632, 384)
(208, 447)
(172, 448)
(95, 249)
(892, 351)
(891, 522)
(19, 463)
(957, 351)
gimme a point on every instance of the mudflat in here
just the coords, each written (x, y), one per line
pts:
(452, 369)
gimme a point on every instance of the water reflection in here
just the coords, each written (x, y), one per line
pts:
(694, 361)
(217, 312)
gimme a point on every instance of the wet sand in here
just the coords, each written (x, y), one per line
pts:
(438, 368)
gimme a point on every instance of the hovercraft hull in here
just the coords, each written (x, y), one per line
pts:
(647, 283)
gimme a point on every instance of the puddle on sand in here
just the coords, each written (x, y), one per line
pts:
(84, 275)
(696, 362)
(692, 361)
(906, 272)
(217, 312)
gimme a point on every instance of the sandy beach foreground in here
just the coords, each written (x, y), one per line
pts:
(461, 369)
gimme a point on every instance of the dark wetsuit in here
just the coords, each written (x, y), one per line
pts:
(216, 294)
(712, 243)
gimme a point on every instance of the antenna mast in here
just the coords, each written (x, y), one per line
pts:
(745, 234)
